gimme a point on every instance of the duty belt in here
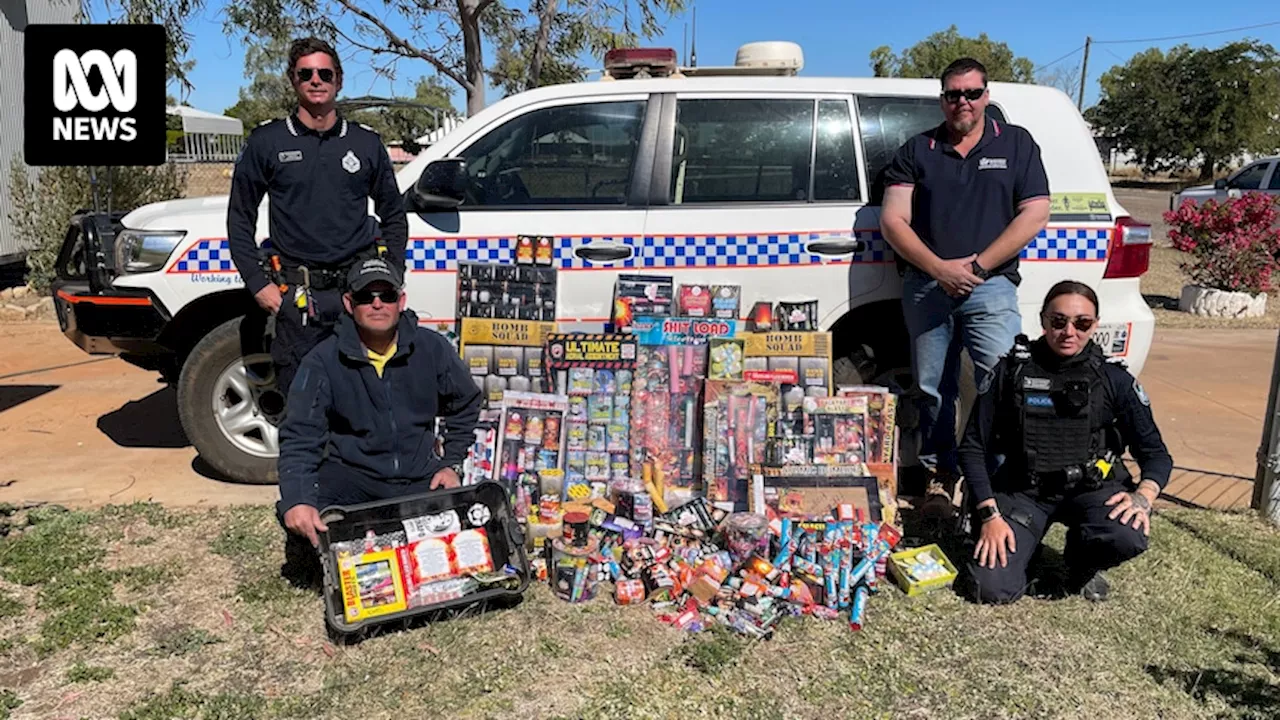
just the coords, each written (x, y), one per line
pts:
(315, 278)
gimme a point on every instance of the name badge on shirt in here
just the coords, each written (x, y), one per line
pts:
(290, 156)
(993, 164)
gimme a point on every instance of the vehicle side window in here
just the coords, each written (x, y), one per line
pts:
(888, 122)
(1275, 179)
(835, 172)
(1250, 178)
(745, 151)
(569, 155)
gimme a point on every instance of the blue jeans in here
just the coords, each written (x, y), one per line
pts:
(939, 326)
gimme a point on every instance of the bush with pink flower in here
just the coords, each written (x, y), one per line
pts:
(1233, 245)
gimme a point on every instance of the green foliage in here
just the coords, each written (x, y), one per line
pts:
(175, 15)
(929, 57)
(712, 651)
(81, 673)
(10, 607)
(45, 199)
(181, 639)
(1192, 105)
(269, 96)
(9, 701)
(179, 702)
(82, 609)
(47, 549)
(572, 28)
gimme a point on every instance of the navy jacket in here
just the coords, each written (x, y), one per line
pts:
(319, 185)
(381, 426)
(1123, 401)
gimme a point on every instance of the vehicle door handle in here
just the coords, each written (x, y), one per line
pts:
(835, 245)
(604, 252)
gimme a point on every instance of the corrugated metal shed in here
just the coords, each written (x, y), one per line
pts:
(15, 15)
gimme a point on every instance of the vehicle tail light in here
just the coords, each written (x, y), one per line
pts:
(1129, 254)
(621, 63)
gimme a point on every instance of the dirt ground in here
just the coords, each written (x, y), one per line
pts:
(80, 430)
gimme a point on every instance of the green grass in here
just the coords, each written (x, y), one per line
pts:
(81, 673)
(9, 701)
(1192, 631)
(55, 542)
(10, 607)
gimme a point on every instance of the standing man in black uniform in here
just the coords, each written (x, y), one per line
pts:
(1061, 417)
(319, 171)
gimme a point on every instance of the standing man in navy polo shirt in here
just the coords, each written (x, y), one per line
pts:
(961, 202)
(319, 171)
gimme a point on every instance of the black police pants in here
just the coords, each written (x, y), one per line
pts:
(293, 339)
(1094, 541)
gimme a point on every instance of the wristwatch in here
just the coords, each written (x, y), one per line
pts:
(988, 512)
(458, 469)
(978, 270)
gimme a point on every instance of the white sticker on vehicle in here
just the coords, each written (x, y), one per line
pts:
(1113, 338)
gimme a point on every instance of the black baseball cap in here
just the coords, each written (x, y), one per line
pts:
(373, 270)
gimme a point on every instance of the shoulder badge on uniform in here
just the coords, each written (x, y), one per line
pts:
(1142, 394)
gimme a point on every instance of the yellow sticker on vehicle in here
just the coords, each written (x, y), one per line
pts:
(1089, 207)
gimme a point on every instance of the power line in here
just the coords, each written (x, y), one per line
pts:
(1189, 35)
(1055, 62)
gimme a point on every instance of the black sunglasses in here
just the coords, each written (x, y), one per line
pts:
(1058, 321)
(365, 297)
(326, 74)
(972, 95)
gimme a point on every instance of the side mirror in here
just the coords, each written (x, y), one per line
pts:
(442, 185)
(1220, 184)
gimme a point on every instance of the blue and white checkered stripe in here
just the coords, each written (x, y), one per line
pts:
(650, 251)
(668, 251)
(206, 256)
(1069, 244)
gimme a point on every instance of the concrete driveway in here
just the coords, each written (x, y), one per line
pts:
(80, 430)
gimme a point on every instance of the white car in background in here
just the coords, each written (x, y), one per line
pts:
(1262, 175)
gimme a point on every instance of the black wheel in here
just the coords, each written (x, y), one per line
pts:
(217, 404)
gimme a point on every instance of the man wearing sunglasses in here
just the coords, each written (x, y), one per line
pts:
(363, 409)
(319, 171)
(961, 202)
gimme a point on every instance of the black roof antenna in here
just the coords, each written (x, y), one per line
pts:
(693, 46)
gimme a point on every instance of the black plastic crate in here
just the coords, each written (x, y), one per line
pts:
(352, 522)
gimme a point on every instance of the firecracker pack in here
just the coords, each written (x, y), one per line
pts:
(738, 420)
(595, 372)
(504, 355)
(393, 559)
(506, 292)
(800, 361)
(531, 440)
(666, 404)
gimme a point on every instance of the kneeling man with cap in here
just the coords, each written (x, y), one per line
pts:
(363, 408)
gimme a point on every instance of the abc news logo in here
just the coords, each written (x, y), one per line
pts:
(95, 95)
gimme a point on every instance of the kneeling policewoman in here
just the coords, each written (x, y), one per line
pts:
(1044, 444)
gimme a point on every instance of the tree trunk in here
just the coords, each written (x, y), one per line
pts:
(545, 16)
(1206, 170)
(473, 53)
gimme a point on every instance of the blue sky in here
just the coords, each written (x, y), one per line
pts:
(838, 35)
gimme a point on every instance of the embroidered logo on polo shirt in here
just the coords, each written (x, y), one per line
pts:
(350, 162)
(286, 156)
(993, 164)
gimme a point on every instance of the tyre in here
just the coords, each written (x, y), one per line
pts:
(219, 411)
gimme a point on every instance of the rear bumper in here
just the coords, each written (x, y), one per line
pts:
(111, 322)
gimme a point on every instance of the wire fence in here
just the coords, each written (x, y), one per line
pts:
(204, 179)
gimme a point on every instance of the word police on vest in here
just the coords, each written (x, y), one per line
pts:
(95, 94)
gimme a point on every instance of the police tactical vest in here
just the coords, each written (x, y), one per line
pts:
(1055, 410)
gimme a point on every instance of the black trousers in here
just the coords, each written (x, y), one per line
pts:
(1094, 542)
(293, 339)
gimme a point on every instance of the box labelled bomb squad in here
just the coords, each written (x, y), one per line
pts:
(504, 355)
(799, 361)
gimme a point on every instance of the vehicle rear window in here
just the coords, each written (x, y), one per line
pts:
(888, 122)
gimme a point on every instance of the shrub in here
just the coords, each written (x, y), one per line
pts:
(1233, 245)
(45, 200)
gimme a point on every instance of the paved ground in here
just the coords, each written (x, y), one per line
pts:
(79, 430)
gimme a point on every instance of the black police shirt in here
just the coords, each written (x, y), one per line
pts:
(962, 204)
(319, 185)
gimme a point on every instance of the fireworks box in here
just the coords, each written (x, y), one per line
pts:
(504, 355)
(506, 292)
(811, 491)
(392, 560)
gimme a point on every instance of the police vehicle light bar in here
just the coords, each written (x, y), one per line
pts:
(623, 63)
